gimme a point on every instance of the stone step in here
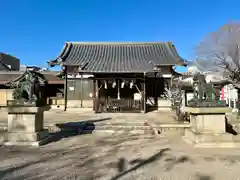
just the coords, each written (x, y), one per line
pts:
(120, 123)
(163, 129)
(115, 132)
(159, 129)
(100, 123)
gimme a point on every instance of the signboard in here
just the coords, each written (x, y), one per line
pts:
(230, 92)
(137, 96)
(71, 88)
(189, 96)
(233, 94)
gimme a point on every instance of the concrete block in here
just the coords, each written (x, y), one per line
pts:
(164, 105)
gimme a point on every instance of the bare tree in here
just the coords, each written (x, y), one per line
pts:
(173, 95)
(222, 48)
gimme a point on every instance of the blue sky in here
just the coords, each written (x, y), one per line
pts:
(35, 30)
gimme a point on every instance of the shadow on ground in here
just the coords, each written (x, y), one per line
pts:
(203, 177)
(5, 173)
(229, 128)
(122, 164)
(136, 164)
(12, 172)
(70, 129)
(94, 160)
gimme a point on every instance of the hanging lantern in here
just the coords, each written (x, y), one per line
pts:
(105, 85)
(131, 84)
(114, 84)
(122, 84)
(79, 69)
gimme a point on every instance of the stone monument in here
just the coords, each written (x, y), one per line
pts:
(207, 117)
(25, 112)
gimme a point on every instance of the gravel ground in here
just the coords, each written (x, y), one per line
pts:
(52, 117)
(122, 157)
(125, 157)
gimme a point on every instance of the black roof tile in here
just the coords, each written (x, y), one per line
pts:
(3, 66)
(118, 57)
(6, 77)
(8, 62)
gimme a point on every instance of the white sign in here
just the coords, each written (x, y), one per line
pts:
(230, 92)
(71, 88)
(233, 94)
(137, 96)
(189, 96)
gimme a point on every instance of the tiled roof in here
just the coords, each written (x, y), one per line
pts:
(6, 77)
(8, 62)
(3, 66)
(118, 57)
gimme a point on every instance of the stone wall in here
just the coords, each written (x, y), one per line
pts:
(5, 95)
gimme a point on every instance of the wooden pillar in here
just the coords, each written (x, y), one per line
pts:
(155, 90)
(185, 98)
(94, 93)
(171, 81)
(65, 87)
(144, 94)
(96, 99)
(172, 76)
(81, 90)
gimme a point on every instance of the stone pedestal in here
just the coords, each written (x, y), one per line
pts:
(164, 105)
(208, 127)
(25, 126)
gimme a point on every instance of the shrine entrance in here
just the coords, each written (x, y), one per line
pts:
(120, 93)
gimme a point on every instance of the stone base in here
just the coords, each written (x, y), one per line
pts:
(207, 110)
(25, 126)
(164, 105)
(26, 139)
(200, 140)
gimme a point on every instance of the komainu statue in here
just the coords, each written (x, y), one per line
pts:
(27, 86)
(204, 94)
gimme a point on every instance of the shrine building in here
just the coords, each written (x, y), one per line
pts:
(117, 76)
